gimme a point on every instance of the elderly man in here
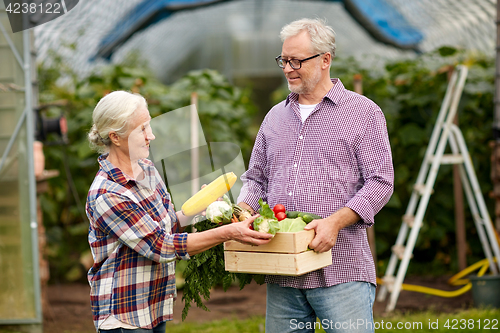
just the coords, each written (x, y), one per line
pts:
(323, 150)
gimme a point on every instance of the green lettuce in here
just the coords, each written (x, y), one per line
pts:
(292, 225)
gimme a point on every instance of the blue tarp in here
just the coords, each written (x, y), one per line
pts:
(380, 19)
(384, 22)
(142, 16)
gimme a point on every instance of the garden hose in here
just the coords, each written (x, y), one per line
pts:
(455, 280)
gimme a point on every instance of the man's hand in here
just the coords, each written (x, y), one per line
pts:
(326, 234)
(327, 229)
(247, 207)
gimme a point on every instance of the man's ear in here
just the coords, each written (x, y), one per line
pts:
(327, 59)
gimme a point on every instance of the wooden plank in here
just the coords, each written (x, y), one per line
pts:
(276, 263)
(282, 242)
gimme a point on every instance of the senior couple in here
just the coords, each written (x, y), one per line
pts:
(333, 160)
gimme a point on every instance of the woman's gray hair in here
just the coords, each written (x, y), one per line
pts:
(113, 114)
(322, 36)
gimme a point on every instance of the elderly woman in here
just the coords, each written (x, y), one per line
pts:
(134, 232)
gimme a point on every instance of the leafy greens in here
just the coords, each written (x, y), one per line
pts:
(266, 222)
(292, 225)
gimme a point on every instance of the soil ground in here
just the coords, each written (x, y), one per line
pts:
(69, 309)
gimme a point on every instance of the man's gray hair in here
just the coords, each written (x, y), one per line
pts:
(322, 36)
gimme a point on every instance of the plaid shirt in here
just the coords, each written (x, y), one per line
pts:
(340, 156)
(134, 243)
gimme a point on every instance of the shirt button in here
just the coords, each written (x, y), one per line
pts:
(301, 137)
(290, 194)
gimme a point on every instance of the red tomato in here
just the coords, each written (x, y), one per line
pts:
(279, 208)
(281, 216)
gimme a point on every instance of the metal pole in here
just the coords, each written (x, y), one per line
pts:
(495, 174)
(30, 137)
(11, 44)
(496, 120)
(460, 236)
(195, 156)
(12, 140)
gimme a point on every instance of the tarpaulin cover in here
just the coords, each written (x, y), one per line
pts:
(380, 19)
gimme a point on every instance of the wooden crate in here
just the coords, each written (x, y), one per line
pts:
(282, 242)
(285, 254)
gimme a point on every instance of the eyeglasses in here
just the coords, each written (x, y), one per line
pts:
(294, 63)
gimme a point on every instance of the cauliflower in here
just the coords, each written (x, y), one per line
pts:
(262, 224)
(266, 222)
(219, 212)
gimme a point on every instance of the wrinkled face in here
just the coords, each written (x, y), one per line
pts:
(305, 79)
(140, 135)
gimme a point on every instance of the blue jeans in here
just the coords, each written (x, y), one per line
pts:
(346, 308)
(160, 328)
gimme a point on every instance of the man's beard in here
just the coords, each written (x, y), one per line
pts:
(307, 85)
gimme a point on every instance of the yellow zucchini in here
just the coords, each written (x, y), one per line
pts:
(210, 193)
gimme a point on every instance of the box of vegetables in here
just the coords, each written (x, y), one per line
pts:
(286, 254)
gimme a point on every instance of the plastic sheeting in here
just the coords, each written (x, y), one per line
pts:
(140, 17)
(385, 23)
(380, 19)
(240, 38)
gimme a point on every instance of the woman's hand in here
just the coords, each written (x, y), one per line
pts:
(186, 220)
(241, 232)
(238, 231)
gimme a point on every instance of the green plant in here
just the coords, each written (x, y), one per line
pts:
(206, 270)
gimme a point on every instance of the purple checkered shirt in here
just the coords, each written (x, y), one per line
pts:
(339, 157)
(134, 241)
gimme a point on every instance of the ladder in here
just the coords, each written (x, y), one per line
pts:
(444, 132)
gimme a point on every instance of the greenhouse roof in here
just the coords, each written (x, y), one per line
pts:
(383, 21)
(143, 15)
(240, 38)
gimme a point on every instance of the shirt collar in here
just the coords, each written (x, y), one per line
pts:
(115, 173)
(334, 94)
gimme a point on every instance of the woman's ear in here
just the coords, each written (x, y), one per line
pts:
(115, 139)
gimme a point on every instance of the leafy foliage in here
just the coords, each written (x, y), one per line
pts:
(206, 270)
(410, 93)
(266, 222)
(225, 113)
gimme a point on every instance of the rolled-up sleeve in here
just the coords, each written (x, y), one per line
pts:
(180, 244)
(376, 167)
